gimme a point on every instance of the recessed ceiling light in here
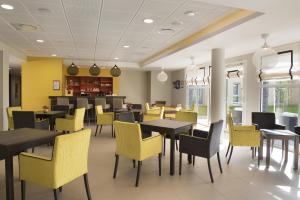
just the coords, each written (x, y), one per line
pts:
(53, 55)
(40, 41)
(190, 13)
(116, 58)
(165, 31)
(7, 6)
(126, 46)
(148, 21)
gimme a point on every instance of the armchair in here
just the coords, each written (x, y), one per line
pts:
(152, 110)
(69, 161)
(71, 123)
(129, 143)
(154, 116)
(103, 119)
(242, 136)
(204, 147)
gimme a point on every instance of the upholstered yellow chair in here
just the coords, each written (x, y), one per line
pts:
(151, 116)
(194, 108)
(129, 143)
(106, 118)
(9, 111)
(69, 161)
(71, 123)
(152, 110)
(183, 116)
(241, 135)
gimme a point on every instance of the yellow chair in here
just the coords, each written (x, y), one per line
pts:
(69, 161)
(9, 112)
(241, 135)
(152, 110)
(194, 108)
(129, 143)
(71, 123)
(151, 117)
(106, 118)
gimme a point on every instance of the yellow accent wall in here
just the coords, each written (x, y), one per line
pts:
(38, 75)
(84, 71)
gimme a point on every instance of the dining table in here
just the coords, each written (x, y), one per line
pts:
(51, 116)
(171, 127)
(14, 142)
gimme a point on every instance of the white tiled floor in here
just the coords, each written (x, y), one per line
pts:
(241, 179)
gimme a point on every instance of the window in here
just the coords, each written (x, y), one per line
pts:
(236, 87)
(199, 94)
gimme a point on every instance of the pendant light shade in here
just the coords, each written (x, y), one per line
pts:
(115, 71)
(73, 69)
(265, 57)
(94, 70)
(162, 76)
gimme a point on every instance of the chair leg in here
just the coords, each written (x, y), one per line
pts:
(258, 158)
(176, 145)
(116, 166)
(100, 129)
(32, 150)
(282, 149)
(159, 164)
(96, 130)
(138, 174)
(219, 161)
(180, 162)
(55, 194)
(209, 169)
(252, 152)
(133, 161)
(230, 155)
(23, 190)
(87, 187)
(164, 146)
(60, 189)
(112, 131)
(194, 158)
(227, 149)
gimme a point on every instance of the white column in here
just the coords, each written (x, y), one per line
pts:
(4, 89)
(218, 86)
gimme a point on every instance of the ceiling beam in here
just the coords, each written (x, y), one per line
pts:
(233, 19)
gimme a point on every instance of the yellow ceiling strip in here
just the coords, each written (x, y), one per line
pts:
(226, 22)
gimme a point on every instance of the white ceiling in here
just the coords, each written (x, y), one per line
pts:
(70, 29)
(281, 19)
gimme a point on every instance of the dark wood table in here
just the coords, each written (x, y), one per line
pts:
(285, 135)
(16, 141)
(172, 128)
(51, 115)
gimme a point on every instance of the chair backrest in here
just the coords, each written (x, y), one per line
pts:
(82, 103)
(126, 117)
(195, 108)
(229, 121)
(9, 112)
(70, 156)
(264, 120)
(79, 117)
(23, 119)
(63, 108)
(117, 103)
(62, 101)
(186, 116)
(162, 111)
(128, 139)
(100, 101)
(214, 136)
(147, 107)
(99, 110)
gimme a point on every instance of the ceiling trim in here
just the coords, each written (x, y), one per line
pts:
(233, 19)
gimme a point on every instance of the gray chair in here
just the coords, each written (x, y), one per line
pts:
(102, 101)
(64, 101)
(84, 103)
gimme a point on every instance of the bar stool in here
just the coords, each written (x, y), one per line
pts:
(102, 101)
(84, 103)
(64, 101)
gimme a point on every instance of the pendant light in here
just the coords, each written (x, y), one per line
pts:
(265, 57)
(115, 71)
(94, 70)
(72, 69)
(162, 76)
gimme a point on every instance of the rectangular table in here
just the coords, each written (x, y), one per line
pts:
(51, 115)
(16, 141)
(171, 127)
(285, 135)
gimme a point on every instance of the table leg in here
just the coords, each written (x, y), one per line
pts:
(189, 155)
(296, 152)
(51, 123)
(268, 153)
(9, 176)
(172, 154)
(261, 148)
(286, 156)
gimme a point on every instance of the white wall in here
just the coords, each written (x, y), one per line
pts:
(133, 85)
(161, 91)
(179, 95)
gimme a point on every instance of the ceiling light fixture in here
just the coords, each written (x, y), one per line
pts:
(40, 41)
(126, 46)
(115, 71)
(162, 76)
(148, 21)
(53, 55)
(190, 13)
(7, 6)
